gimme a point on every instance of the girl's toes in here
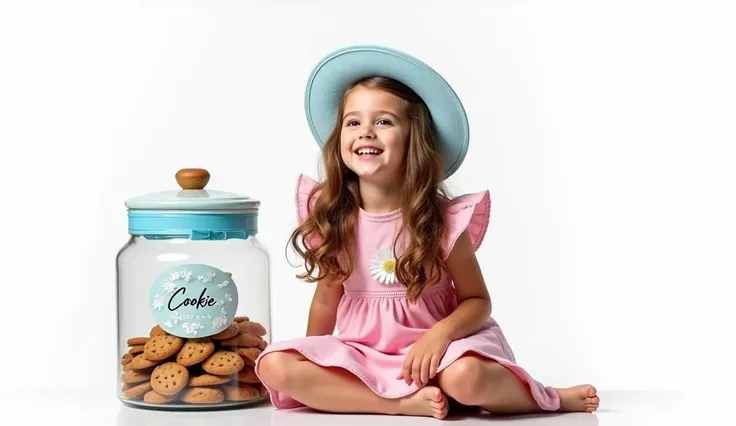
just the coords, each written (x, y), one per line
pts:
(440, 414)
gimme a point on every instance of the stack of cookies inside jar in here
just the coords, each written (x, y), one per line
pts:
(163, 369)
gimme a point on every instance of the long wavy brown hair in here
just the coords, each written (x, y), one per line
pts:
(334, 211)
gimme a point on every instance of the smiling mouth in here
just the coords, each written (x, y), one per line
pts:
(368, 151)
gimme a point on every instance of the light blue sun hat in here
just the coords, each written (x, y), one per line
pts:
(337, 71)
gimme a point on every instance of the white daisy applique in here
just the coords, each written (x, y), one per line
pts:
(383, 266)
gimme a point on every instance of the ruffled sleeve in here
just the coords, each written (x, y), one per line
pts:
(471, 212)
(304, 187)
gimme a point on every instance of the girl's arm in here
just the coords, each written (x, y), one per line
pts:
(323, 311)
(474, 302)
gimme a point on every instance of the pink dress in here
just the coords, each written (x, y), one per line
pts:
(377, 325)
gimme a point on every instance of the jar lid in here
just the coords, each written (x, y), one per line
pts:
(192, 196)
(192, 211)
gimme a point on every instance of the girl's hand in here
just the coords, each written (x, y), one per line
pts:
(420, 365)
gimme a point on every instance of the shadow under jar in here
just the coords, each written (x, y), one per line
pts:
(193, 299)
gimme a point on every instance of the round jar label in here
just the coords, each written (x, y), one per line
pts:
(193, 300)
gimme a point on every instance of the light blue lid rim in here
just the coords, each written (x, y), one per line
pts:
(193, 199)
(192, 225)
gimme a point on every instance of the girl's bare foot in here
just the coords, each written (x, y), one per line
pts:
(578, 398)
(428, 401)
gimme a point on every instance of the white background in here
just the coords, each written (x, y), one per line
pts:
(605, 132)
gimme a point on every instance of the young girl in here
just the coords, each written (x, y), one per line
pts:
(394, 258)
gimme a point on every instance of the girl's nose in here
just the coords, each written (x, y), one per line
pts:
(367, 133)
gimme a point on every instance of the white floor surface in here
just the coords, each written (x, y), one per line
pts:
(617, 408)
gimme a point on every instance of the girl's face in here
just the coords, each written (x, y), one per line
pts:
(374, 135)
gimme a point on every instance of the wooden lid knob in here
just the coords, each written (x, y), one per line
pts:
(192, 178)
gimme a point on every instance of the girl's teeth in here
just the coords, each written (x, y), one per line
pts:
(363, 151)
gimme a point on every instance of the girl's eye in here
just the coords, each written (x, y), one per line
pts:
(384, 122)
(351, 123)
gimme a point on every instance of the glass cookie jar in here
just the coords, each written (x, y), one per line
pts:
(193, 299)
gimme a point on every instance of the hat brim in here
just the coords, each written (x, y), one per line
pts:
(339, 70)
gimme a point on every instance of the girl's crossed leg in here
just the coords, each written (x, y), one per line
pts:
(338, 391)
(476, 381)
(471, 381)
